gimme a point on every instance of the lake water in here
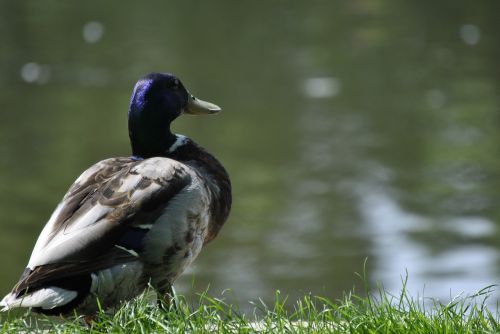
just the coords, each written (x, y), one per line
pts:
(362, 130)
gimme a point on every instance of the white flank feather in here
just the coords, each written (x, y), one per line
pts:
(47, 298)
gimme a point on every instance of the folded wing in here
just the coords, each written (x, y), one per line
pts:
(101, 220)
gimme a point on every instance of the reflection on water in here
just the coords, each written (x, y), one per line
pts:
(445, 273)
(363, 130)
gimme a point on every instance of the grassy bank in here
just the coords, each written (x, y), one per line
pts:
(379, 313)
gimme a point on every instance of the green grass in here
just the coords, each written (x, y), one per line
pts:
(379, 313)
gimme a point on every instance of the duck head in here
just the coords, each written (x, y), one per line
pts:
(158, 99)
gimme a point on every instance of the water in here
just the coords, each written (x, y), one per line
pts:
(364, 130)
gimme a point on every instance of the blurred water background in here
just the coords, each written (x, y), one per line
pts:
(352, 130)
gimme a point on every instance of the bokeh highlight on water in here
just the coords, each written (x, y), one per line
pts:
(362, 130)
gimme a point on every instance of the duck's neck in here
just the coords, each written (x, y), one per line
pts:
(151, 145)
(178, 142)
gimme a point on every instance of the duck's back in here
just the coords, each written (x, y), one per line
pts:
(123, 223)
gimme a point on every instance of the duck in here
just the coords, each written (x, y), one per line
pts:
(128, 223)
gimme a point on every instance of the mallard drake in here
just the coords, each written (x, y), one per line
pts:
(131, 221)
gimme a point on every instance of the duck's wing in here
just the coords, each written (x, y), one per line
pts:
(102, 218)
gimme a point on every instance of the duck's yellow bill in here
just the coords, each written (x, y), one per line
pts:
(196, 106)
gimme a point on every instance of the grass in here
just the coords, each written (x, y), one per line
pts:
(377, 313)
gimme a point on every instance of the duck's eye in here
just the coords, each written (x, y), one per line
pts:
(176, 83)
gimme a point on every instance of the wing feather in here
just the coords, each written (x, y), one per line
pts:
(100, 210)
